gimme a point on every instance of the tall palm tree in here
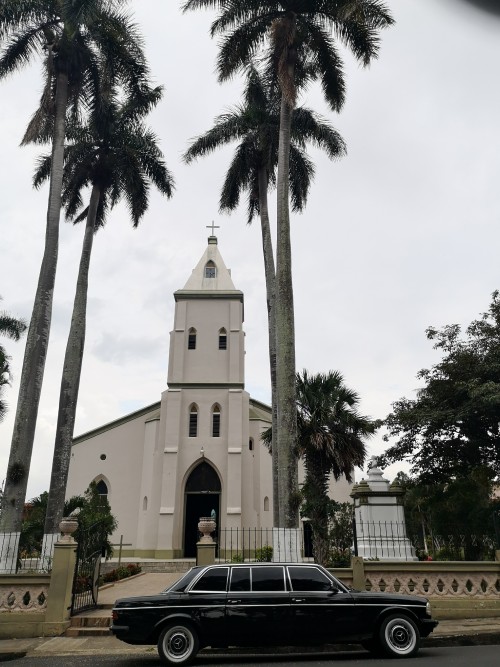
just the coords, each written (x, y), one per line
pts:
(300, 49)
(69, 37)
(13, 328)
(118, 157)
(255, 124)
(331, 441)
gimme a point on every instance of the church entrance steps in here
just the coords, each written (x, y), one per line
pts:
(94, 623)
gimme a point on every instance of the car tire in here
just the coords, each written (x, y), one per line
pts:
(178, 644)
(399, 636)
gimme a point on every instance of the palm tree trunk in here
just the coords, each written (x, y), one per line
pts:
(285, 337)
(38, 334)
(267, 247)
(70, 383)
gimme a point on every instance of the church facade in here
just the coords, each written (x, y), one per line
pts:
(199, 448)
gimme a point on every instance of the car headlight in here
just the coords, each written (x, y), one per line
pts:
(428, 609)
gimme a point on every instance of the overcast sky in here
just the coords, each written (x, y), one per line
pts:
(401, 234)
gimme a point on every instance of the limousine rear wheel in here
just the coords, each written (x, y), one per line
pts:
(399, 636)
(178, 644)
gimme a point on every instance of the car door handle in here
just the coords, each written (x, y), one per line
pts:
(298, 599)
(233, 601)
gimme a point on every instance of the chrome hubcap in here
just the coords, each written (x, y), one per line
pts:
(400, 636)
(178, 644)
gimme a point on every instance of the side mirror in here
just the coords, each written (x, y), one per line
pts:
(333, 588)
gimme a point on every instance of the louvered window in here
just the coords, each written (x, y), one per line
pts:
(193, 422)
(222, 339)
(192, 339)
(216, 422)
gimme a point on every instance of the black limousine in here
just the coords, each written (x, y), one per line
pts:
(269, 604)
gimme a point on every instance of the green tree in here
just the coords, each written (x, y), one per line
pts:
(452, 520)
(340, 534)
(299, 49)
(93, 509)
(452, 427)
(13, 328)
(70, 38)
(118, 157)
(255, 125)
(332, 436)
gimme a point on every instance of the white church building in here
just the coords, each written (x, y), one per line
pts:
(199, 448)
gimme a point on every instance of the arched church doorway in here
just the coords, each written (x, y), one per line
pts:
(202, 496)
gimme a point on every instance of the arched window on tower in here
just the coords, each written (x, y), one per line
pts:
(250, 444)
(192, 339)
(193, 421)
(210, 270)
(216, 421)
(222, 339)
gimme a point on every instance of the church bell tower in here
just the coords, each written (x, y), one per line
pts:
(207, 408)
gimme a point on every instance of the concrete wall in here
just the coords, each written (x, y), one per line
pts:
(456, 589)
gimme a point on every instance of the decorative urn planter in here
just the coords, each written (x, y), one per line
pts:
(206, 525)
(68, 526)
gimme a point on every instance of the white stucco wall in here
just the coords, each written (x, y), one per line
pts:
(122, 443)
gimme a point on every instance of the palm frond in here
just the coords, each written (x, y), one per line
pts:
(301, 174)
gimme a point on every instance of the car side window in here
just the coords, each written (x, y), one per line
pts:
(268, 579)
(240, 579)
(308, 579)
(214, 580)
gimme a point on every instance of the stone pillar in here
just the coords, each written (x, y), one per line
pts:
(358, 573)
(380, 519)
(61, 580)
(205, 553)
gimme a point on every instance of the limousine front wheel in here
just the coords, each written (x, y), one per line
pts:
(178, 644)
(399, 636)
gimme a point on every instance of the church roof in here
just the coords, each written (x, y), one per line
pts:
(260, 411)
(210, 277)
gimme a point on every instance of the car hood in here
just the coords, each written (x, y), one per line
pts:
(392, 598)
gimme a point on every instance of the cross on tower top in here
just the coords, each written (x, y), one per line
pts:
(212, 227)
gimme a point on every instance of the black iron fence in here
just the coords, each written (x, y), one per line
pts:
(90, 550)
(372, 540)
(278, 545)
(390, 540)
(16, 557)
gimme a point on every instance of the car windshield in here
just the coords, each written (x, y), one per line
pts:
(181, 584)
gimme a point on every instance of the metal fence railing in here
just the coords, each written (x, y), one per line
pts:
(276, 545)
(390, 540)
(15, 558)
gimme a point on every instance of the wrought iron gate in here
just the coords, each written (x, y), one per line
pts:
(88, 564)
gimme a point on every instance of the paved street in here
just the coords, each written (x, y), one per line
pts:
(463, 656)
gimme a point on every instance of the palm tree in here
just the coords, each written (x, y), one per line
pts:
(255, 124)
(70, 37)
(331, 441)
(118, 157)
(13, 328)
(300, 49)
